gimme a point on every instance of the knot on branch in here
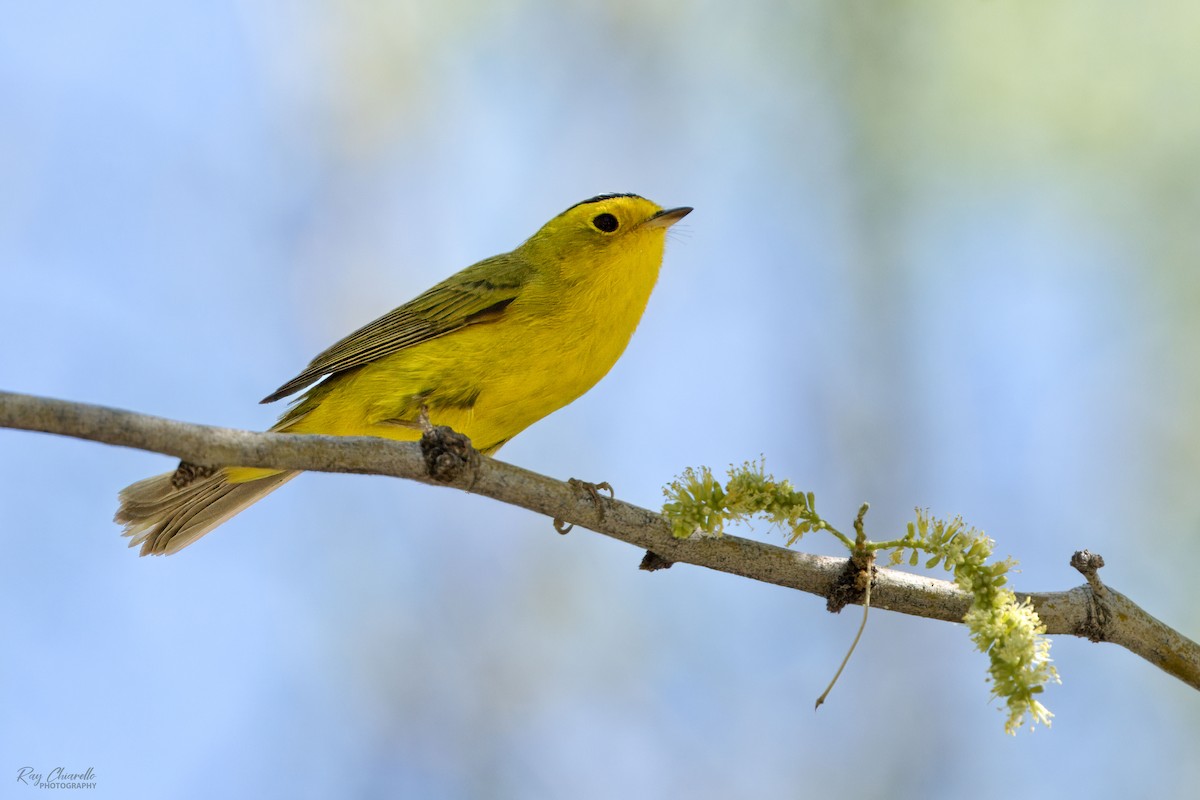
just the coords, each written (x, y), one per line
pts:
(1089, 564)
(449, 455)
(1099, 615)
(851, 584)
(652, 562)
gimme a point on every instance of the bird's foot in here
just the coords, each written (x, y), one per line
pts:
(592, 490)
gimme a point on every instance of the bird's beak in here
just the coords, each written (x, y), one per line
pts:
(667, 217)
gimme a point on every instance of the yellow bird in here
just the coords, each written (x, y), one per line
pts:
(488, 351)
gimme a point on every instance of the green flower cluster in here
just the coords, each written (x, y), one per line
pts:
(1007, 631)
(698, 503)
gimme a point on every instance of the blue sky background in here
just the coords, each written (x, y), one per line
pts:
(942, 255)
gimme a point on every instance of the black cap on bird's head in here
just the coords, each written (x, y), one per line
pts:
(607, 223)
(605, 196)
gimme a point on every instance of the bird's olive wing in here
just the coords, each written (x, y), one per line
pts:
(477, 295)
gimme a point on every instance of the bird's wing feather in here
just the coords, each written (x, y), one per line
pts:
(477, 295)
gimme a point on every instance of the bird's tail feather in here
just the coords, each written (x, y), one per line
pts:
(164, 517)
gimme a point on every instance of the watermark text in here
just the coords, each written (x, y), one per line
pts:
(57, 778)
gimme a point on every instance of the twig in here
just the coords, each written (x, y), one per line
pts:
(1076, 611)
(866, 577)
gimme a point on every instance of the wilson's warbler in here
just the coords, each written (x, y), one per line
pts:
(488, 351)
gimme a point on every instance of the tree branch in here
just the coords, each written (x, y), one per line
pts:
(1092, 611)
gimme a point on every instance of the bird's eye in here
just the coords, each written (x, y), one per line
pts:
(605, 222)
